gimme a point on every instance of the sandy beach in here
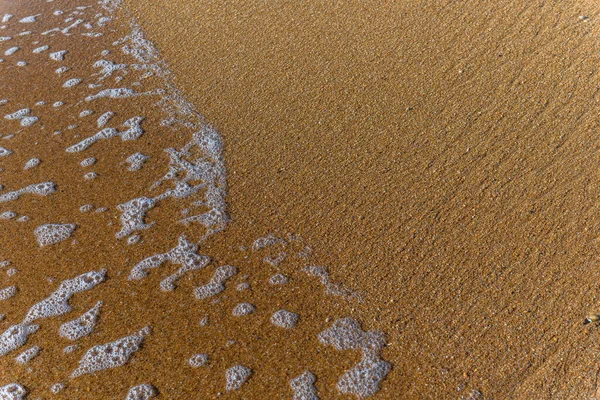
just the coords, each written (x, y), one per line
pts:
(426, 169)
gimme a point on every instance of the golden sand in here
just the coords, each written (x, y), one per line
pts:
(438, 157)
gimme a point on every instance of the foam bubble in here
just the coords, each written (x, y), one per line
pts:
(86, 208)
(72, 82)
(275, 261)
(58, 55)
(303, 387)
(5, 38)
(4, 152)
(12, 51)
(13, 391)
(29, 19)
(136, 161)
(263, 242)
(278, 279)
(8, 215)
(198, 360)
(28, 355)
(236, 376)
(85, 113)
(110, 355)
(217, 282)
(8, 292)
(34, 162)
(40, 49)
(53, 233)
(61, 70)
(90, 175)
(104, 118)
(133, 214)
(82, 326)
(284, 319)
(87, 162)
(117, 93)
(364, 378)
(6, 18)
(144, 391)
(58, 302)
(135, 131)
(243, 309)
(15, 337)
(70, 349)
(183, 254)
(57, 388)
(330, 288)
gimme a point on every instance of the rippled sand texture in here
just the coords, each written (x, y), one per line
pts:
(113, 192)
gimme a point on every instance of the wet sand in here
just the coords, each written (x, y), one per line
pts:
(438, 158)
(443, 155)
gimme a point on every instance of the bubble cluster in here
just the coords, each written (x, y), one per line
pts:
(53, 233)
(303, 387)
(243, 309)
(39, 189)
(82, 326)
(28, 355)
(110, 355)
(236, 376)
(217, 282)
(198, 360)
(144, 391)
(8, 292)
(183, 254)
(364, 378)
(285, 319)
(13, 391)
(136, 161)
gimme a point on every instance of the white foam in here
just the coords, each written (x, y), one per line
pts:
(217, 282)
(278, 279)
(303, 387)
(135, 131)
(72, 82)
(330, 288)
(104, 118)
(86, 208)
(142, 392)
(133, 214)
(285, 319)
(28, 355)
(243, 309)
(82, 326)
(40, 189)
(61, 70)
(15, 337)
(88, 162)
(110, 355)
(70, 349)
(85, 113)
(90, 175)
(136, 161)
(40, 49)
(5, 152)
(266, 241)
(34, 162)
(236, 376)
(12, 51)
(53, 233)
(364, 378)
(5, 38)
(8, 215)
(108, 68)
(13, 391)
(57, 388)
(8, 292)
(6, 18)
(183, 254)
(58, 301)
(116, 93)
(58, 55)
(198, 360)
(29, 19)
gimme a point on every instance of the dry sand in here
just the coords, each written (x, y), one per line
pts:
(441, 158)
